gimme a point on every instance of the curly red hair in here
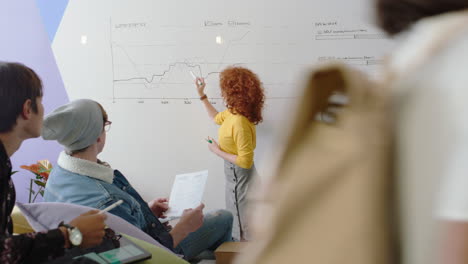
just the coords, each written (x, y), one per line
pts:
(243, 93)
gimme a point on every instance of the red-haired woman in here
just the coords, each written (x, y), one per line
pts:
(244, 97)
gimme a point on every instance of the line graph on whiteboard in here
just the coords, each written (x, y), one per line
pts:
(154, 62)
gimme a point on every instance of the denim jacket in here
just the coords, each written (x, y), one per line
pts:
(96, 185)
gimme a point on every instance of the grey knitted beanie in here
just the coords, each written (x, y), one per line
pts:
(76, 125)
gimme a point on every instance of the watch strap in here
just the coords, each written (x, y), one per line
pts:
(66, 225)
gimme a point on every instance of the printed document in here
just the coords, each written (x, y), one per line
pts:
(187, 192)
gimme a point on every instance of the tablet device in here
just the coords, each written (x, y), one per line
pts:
(110, 252)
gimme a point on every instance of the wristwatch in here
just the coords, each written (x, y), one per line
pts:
(74, 234)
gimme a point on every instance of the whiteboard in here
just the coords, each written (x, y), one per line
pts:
(134, 57)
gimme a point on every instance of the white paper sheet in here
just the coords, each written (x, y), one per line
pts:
(187, 192)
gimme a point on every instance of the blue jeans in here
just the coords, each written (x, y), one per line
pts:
(216, 229)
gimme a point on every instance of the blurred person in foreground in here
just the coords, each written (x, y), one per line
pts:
(431, 125)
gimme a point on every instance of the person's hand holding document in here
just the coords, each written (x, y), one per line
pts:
(187, 193)
(190, 221)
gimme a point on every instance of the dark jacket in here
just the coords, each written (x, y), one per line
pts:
(25, 248)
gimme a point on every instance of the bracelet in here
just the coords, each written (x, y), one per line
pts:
(203, 97)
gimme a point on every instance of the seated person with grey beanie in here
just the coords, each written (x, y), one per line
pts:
(81, 178)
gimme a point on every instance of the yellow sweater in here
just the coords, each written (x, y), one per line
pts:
(237, 136)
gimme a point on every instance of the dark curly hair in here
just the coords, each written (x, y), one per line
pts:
(395, 16)
(243, 93)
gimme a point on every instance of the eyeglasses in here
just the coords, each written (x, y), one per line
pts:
(107, 126)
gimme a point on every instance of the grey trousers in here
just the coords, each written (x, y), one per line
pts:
(238, 184)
